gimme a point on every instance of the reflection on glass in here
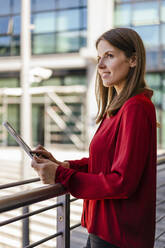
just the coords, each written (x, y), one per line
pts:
(4, 23)
(67, 42)
(5, 7)
(68, 4)
(162, 11)
(9, 82)
(15, 45)
(13, 117)
(44, 43)
(153, 80)
(123, 15)
(52, 81)
(5, 45)
(163, 57)
(83, 2)
(38, 5)
(149, 35)
(163, 126)
(84, 19)
(67, 20)
(83, 38)
(75, 80)
(152, 58)
(16, 24)
(145, 13)
(121, 1)
(16, 6)
(44, 22)
(163, 35)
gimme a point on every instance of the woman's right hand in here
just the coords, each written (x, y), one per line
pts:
(40, 151)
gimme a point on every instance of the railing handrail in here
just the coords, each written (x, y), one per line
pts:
(31, 196)
(160, 159)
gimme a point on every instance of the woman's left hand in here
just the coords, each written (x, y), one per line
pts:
(45, 168)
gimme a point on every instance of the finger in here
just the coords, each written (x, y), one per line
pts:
(40, 159)
(35, 165)
(42, 153)
(40, 147)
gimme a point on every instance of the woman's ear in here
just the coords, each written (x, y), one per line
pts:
(132, 61)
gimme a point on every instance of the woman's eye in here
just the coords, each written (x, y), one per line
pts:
(110, 55)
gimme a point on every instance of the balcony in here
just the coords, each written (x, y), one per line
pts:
(63, 236)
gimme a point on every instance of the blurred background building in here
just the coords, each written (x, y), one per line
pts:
(60, 71)
(63, 61)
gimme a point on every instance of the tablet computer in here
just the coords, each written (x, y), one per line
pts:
(18, 138)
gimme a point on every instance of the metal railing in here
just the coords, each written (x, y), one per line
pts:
(160, 203)
(28, 197)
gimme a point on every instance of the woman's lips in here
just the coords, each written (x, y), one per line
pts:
(105, 74)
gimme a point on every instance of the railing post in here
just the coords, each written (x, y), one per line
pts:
(63, 221)
(25, 228)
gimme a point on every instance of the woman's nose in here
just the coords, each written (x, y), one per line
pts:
(101, 63)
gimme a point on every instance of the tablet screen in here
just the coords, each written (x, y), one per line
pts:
(18, 139)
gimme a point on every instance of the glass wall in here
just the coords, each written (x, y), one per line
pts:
(148, 19)
(157, 82)
(73, 100)
(59, 26)
(10, 27)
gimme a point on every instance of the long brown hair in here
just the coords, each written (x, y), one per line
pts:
(131, 44)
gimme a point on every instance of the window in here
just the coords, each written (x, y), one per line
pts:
(5, 45)
(149, 35)
(6, 7)
(75, 80)
(44, 22)
(162, 9)
(4, 25)
(83, 2)
(17, 6)
(13, 118)
(145, 13)
(84, 18)
(163, 35)
(15, 45)
(120, 1)
(16, 25)
(67, 42)
(123, 15)
(154, 81)
(9, 82)
(54, 20)
(44, 43)
(68, 4)
(39, 5)
(68, 20)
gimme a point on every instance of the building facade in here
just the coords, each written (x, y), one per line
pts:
(63, 34)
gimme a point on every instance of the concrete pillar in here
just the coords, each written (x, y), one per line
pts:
(24, 77)
(100, 19)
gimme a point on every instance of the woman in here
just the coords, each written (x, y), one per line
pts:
(118, 180)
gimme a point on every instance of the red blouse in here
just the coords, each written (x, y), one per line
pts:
(118, 180)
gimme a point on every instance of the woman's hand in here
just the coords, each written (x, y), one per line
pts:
(45, 168)
(40, 151)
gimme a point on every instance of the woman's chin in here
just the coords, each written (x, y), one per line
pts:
(107, 84)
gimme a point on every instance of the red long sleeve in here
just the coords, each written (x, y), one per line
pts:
(127, 167)
(79, 165)
(119, 188)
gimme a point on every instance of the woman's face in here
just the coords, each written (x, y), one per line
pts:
(113, 65)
